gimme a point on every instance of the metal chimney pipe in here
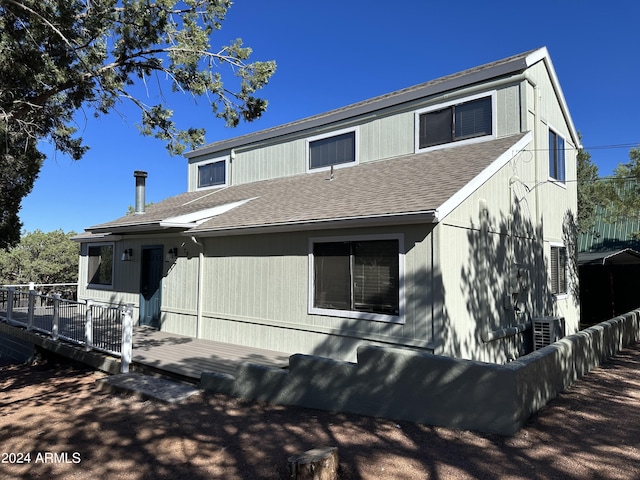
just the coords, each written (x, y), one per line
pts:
(141, 178)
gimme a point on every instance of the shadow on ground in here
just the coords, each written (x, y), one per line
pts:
(590, 431)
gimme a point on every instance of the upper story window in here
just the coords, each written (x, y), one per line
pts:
(556, 157)
(100, 265)
(333, 149)
(455, 122)
(558, 270)
(357, 277)
(212, 174)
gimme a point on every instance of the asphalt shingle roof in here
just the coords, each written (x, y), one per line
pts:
(406, 185)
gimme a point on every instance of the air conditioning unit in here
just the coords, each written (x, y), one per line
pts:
(547, 330)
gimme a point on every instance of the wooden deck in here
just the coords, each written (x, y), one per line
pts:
(189, 357)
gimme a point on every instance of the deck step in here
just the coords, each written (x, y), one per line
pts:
(148, 387)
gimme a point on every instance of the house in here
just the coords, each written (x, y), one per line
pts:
(436, 218)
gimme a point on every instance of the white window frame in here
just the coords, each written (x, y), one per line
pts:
(553, 245)
(560, 183)
(378, 317)
(441, 106)
(101, 286)
(226, 159)
(308, 141)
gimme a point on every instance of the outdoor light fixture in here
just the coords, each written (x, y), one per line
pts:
(171, 255)
(127, 254)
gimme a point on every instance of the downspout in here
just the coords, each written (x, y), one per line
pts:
(199, 286)
(536, 114)
(232, 158)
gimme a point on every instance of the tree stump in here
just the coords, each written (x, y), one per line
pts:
(316, 464)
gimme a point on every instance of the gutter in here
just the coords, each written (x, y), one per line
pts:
(96, 238)
(426, 216)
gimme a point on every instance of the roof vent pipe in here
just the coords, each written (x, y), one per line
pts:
(141, 178)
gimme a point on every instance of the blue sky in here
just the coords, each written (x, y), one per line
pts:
(331, 54)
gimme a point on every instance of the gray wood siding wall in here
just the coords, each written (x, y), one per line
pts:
(272, 161)
(492, 234)
(387, 137)
(180, 292)
(388, 134)
(474, 292)
(257, 293)
(178, 283)
(509, 111)
(126, 277)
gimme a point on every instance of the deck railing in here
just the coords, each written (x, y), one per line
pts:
(96, 326)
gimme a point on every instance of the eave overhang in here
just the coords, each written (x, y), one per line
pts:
(628, 256)
(411, 218)
(175, 224)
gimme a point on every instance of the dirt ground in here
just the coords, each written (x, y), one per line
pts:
(54, 413)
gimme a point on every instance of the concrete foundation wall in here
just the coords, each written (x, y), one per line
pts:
(14, 348)
(407, 385)
(35, 340)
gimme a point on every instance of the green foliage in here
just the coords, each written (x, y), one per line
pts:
(623, 190)
(19, 167)
(63, 55)
(41, 258)
(590, 191)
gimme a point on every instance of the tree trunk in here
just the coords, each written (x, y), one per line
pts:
(316, 464)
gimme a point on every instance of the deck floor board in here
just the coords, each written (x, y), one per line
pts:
(190, 357)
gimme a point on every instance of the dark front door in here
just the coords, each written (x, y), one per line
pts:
(150, 278)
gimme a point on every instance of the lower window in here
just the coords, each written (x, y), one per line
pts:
(360, 276)
(558, 270)
(100, 265)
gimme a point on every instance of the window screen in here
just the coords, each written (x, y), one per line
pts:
(375, 277)
(100, 264)
(473, 119)
(332, 275)
(556, 157)
(358, 276)
(332, 150)
(457, 122)
(558, 270)
(212, 174)
(435, 128)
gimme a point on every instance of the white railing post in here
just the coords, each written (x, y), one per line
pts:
(10, 291)
(56, 316)
(31, 304)
(88, 326)
(127, 338)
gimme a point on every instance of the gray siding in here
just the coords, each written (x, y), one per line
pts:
(388, 134)
(257, 293)
(272, 161)
(387, 137)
